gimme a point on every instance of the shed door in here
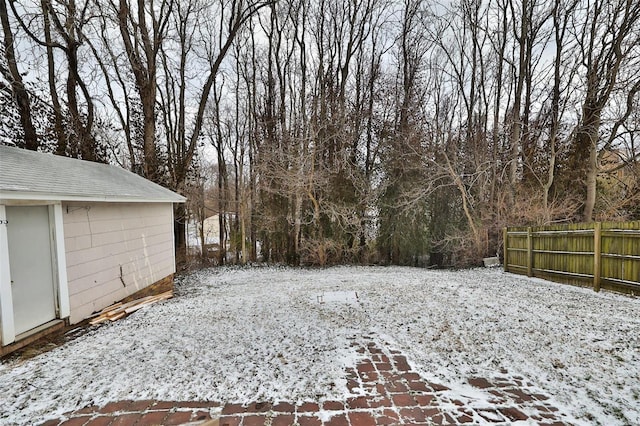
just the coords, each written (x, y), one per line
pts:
(30, 266)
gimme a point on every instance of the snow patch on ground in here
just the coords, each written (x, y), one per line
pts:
(241, 335)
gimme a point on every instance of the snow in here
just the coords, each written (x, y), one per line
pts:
(347, 297)
(241, 335)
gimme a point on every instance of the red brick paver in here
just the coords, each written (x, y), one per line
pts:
(390, 393)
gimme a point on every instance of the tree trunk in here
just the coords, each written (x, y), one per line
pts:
(589, 137)
(20, 94)
(144, 70)
(58, 122)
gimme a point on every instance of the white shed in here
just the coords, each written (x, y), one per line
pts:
(75, 237)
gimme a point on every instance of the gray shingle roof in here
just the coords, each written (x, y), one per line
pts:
(27, 174)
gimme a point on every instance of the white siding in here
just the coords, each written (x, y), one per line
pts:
(110, 243)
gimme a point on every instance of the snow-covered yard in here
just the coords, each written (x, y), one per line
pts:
(286, 334)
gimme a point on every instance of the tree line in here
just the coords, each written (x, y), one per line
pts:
(333, 131)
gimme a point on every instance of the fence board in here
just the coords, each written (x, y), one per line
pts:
(601, 255)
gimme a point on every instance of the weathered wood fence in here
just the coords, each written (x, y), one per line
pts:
(599, 254)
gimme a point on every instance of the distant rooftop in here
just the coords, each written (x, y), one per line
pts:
(32, 175)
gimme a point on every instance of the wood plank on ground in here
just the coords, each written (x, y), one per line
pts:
(120, 310)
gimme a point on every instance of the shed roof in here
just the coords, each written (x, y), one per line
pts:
(29, 175)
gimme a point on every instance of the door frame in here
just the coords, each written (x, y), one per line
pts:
(58, 261)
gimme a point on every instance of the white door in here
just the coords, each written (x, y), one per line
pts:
(30, 266)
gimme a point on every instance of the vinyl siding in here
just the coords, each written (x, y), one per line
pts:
(107, 244)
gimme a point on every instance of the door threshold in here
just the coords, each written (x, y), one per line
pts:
(31, 336)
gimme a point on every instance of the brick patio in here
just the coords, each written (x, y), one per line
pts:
(390, 393)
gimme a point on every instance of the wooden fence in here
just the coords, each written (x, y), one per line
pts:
(598, 255)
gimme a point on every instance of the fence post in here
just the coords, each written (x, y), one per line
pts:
(597, 255)
(529, 253)
(505, 248)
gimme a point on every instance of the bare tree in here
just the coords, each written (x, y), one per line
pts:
(12, 74)
(63, 24)
(608, 36)
(562, 11)
(143, 28)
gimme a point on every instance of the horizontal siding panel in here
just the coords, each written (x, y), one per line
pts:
(76, 229)
(148, 263)
(103, 258)
(94, 282)
(122, 224)
(107, 244)
(132, 242)
(87, 303)
(80, 242)
(127, 235)
(123, 210)
(78, 211)
(108, 282)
